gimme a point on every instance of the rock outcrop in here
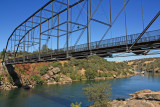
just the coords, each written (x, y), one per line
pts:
(6, 86)
(145, 98)
(64, 79)
(146, 95)
(53, 76)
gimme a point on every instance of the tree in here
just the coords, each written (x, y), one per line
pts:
(2, 54)
(99, 94)
(76, 104)
(46, 49)
(90, 74)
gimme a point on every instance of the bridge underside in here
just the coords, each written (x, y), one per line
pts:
(140, 48)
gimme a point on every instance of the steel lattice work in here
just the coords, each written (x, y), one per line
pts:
(47, 34)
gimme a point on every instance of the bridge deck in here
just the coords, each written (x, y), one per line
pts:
(105, 48)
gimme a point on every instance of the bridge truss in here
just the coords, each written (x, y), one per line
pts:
(47, 34)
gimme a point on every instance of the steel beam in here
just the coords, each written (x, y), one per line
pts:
(39, 57)
(52, 17)
(67, 54)
(148, 26)
(58, 35)
(88, 25)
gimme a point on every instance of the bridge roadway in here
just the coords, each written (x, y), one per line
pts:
(149, 41)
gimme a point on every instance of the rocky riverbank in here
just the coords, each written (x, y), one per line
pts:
(62, 72)
(7, 86)
(23, 77)
(145, 98)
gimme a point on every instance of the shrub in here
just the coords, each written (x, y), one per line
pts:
(109, 74)
(56, 64)
(98, 94)
(22, 67)
(124, 73)
(57, 78)
(10, 79)
(76, 104)
(75, 76)
(102, 74)
(1, 77)
(43, 70)
(66, 70)
(90, 74)
(37, 79)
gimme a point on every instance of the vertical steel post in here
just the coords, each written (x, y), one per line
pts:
(32, 36)
(40, 36)
(58, 34)
(90, 26)
(71, 25)
(67, 27)
(48, 37)
(52, 24)
(28, 42)
(24, 45)
(142, 14)
(15, 47)
(87, 25)
(11, 45)
(110, 12)
(126, 25)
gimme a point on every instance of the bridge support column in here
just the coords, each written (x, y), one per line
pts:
(58, 35)
(24, 42)
(88, 25)
(15, 48)
(39, 57)
(67, 53)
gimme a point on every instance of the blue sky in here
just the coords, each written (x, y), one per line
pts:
(14, 12)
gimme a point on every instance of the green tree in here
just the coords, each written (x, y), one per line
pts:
(99, 94)
(76, 104)
(46, 49)
(90, 74)
(2, 54)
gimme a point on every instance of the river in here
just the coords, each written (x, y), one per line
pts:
(64, 95)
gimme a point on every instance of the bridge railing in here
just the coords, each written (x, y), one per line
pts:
(119, 41)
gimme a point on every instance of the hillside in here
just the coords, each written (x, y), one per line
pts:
(148, 64)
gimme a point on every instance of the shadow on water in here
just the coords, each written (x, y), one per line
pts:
(59, 100)
(14, 75)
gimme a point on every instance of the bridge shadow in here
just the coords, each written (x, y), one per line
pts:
(14, 75)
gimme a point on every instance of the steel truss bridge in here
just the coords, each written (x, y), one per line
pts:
(56, 22)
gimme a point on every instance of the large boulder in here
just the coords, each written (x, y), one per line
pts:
(50, 72)
(53, 70)
(134, 103)
(55, 76)
(46, 76)
(50, 67)
(145, 98)
(114, 76)
(65, 79)
(146, 94)
(56, 70)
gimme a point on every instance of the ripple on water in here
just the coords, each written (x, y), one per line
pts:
(64, 95)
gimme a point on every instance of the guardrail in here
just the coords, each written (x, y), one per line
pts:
(118, 41)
